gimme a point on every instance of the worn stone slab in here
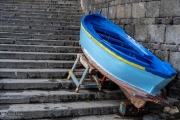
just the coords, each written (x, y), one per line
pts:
(14, 63)
(156, 33)
(127, 11)
(120, 11)
(169, 8)
(41, 84)
(138, 10)
(103, 117)
(167, 20)
(38, 36)
(39, 31)
(129, 30)
(152, 9)
(112, 12)
(147, 21)
(172, 34)
(48, 84)
(141, 32)
(167, 47)
(125, 21)
(176, 20)
(37, 55)
(40, 48)
(49, 110)
(174, 59)
(163, 55)
(38, 22)
(42, 96)
(33, 73)
(39, 42)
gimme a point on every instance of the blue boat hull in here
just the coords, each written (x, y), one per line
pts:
(122, 72)
(141, 79)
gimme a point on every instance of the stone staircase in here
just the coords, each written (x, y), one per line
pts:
(38, 46)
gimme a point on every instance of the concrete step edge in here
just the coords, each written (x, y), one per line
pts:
(49, 110)
(44, 96)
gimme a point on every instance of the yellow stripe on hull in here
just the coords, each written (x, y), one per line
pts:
(110, 52)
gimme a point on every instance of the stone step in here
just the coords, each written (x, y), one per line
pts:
(36, 64)
(49, 84)
(28, 11)
(19, 22)
(34, 73)
(40, 17)
(51, 2)
(48, 15)
(37, 55)
(38, 31)
(40, 5)
(38, 36)
(44, 96)
(38, 42)
(102, 117)
(53, 110)
(41, 10)
(40, 1)
(40, 48)
(34, 84)
(32, 26)
(44, 20)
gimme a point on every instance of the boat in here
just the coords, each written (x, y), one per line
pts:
(139, 73)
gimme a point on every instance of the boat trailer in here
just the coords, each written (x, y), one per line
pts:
(125, 108)
(89, 71)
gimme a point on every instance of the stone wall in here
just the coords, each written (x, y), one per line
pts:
(154, 23)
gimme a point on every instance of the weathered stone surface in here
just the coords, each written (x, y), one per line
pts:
(167, 20)
(120, 11)
(166, 47)
(127, 11)
(153, 46)
(126, 21)
(124, 1)
(104, 117)
(117, 2)
(165, 116)
(163, 55)
(172, 34)
(104, 12)
(176, 20)
(138, 10)
(49, 110)
(152, 9)
(175, 59)
(136, 21)
(86, 5)
(147, 21)
(141, 32)
(101, 1)
(169, 8)
(129, 30)
(156, 33)
(151, 117)
(112, 3)
(134, 1)
(174, 91)
(39, 96)
(112, 12)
